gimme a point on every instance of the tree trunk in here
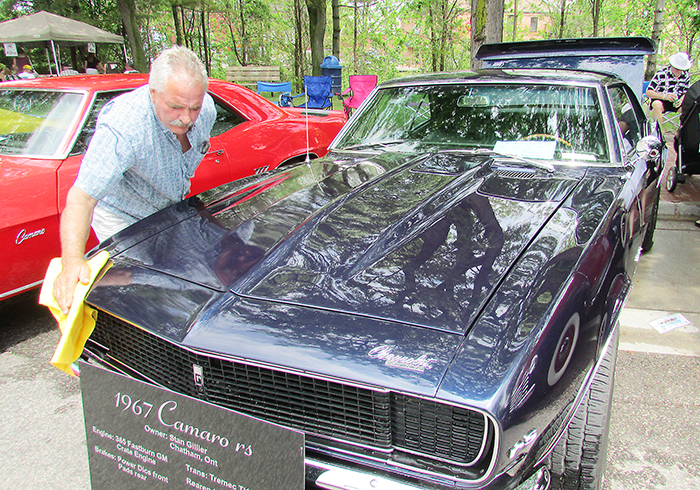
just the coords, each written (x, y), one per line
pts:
(205, 41)
(317, 30)
(433, 41)
(596, 6)
(178, 24)
(298, 45)
(515, 20)
(244, 36)
(336, 28)
(128, 14)
(354, 36)
(656, 37)
(561, 19)
(487, 26)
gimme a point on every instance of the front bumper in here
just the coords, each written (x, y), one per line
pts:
(331, 477)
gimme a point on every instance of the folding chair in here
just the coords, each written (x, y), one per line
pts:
(667, 118)
(673, 119)
(318, 93)
(360, 86)
(285, 89)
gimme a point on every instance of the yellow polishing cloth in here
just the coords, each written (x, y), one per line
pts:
(77, 326)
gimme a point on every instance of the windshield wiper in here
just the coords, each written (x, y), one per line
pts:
(367, 146)
(500, 158)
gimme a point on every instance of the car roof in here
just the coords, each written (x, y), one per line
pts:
(524, 75)
(89, 83)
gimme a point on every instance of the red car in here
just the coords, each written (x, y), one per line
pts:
(46, 125)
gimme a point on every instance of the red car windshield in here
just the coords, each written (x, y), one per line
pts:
(34, 122)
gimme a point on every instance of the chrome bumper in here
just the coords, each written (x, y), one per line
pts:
(337, 478)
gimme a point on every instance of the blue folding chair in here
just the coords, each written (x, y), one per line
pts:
(318, 93)
(285, 89)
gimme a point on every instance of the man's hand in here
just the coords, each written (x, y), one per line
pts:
(72, 271)
(75, 229)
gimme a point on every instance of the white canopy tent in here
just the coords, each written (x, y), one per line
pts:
(47, 29)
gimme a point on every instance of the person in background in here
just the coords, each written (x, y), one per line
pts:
(67, 71)
(6, 73)
(669, 85)
(26, 73)
(20, 61)
(93, 65)
(146, 147)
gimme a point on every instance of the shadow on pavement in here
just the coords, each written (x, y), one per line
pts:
(23, 318)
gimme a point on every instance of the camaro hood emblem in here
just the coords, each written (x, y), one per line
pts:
(418, 364)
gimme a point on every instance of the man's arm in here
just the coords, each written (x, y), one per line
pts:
(653, 94)
(75, 230)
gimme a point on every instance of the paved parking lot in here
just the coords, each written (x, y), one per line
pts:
(656, 409)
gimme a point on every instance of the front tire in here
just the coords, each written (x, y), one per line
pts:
(578, 460)
(648, 241)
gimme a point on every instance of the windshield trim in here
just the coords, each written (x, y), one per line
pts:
(614, 158)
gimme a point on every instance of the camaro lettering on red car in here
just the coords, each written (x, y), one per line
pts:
(23, 235)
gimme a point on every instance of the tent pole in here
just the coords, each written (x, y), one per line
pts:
(55, 59)
(48, 58)
(126, 60)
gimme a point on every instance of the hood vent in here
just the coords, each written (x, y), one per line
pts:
(515, 173)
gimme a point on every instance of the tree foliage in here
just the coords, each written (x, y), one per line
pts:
(247, 21)
(384, 37)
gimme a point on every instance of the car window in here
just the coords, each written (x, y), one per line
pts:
(35, 122)
(627, 117)
(226, 118)
(559, 122)
(83, 140)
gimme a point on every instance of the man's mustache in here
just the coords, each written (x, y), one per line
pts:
(180, 124)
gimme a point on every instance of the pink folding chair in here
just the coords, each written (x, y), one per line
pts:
(360, 86)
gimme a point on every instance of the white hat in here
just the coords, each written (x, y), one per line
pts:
(680, 61)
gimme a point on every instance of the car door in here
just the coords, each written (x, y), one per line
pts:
(219, 164)
(633, 125)
(29, 221)
(34, 124)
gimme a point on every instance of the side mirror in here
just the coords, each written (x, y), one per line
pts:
(650, 149)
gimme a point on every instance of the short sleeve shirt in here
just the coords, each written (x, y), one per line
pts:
(664, 82)
(134, 165)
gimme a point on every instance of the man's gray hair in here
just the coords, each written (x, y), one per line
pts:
(177, 59)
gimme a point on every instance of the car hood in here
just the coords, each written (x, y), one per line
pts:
(423, 239)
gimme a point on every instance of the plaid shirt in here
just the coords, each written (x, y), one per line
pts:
(134, 165)
(664, 82)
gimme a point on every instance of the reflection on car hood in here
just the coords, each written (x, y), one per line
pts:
(423, 240)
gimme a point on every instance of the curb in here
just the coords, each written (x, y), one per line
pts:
(680, 211)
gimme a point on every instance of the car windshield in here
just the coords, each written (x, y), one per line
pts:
(34, 123)
(547, 122)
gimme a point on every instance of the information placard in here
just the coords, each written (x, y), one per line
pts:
(140, 436)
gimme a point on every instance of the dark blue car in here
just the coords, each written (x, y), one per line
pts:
(434, 304)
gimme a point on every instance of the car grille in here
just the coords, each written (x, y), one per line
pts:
(375, 418)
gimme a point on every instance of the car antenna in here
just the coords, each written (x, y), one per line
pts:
(306, 96)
